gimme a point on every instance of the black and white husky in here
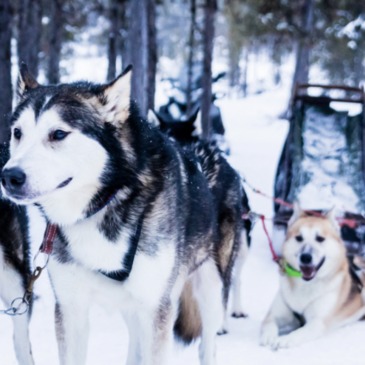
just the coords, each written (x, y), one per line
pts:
(136, 225)
(15, 271)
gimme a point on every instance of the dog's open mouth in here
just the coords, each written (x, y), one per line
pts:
(64, 183)
(310, 271)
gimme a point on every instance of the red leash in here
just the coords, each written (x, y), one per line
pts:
(275, 257)
(251, 216)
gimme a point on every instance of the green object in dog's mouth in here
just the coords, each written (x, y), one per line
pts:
(290, 271)
(306, 272)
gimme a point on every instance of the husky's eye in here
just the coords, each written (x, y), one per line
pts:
(319, 238)
(299, 238)
(58, 135)
(17, 133)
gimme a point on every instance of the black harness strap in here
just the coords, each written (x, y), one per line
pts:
(128, 261)
(100, 202)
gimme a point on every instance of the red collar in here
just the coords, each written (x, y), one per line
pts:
(48, 238)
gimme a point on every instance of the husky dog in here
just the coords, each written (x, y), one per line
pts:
(230, 203)
(135, 223)
(188, 131)
(317, 290)
(224, 183)
(185, 132)
(15, 271)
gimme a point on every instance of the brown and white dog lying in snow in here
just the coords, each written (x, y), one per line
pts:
(317, 291)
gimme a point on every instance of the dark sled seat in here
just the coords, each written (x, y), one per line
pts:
(322, 163)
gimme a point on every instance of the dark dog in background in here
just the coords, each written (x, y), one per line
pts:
(15, 269)
(224, 183)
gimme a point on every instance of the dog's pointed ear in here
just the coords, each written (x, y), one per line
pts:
(193, 117)
(117, 98)
(298, 212)
(198, 123)
(331, 215)
(153, 118)
(26, 81)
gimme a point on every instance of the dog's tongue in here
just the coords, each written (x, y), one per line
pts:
(308, 272)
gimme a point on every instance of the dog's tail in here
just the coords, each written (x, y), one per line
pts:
(188, 324)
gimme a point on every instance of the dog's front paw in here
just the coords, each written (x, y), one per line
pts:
(269, 336)
(239, 314)
(286, 341)
(222, 331)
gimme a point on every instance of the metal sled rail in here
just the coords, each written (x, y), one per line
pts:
(301, 93)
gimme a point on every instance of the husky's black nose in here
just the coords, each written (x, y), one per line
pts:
(305, 258)
(13, 179)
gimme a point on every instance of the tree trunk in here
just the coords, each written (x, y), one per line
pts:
(301, 73)
(55, 41)
(235, 42)
(152, 53)
(277, 59)
(210, 8)
(234, 68)
(114, 36)
(29, 33)
(358, 67)
(5, 68)
(123, 43)
(245, 70)
(191, 46)
(137, 53)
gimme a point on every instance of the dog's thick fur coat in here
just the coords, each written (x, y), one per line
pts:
(325, 295)
(138, 228)
(15, 269)
(224, 182)
(15, 273)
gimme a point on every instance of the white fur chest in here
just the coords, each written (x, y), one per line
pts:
(301, 295)
(91, 248)
(146, 284)
(314, 299)
(92, 251)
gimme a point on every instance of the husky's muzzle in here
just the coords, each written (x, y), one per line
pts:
(307, 267)
(14, 183)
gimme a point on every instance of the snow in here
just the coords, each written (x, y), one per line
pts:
(256, 135)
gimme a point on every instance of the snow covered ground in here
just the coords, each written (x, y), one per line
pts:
(256, 136)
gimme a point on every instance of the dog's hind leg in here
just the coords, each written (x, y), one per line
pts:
(237, 310)
(227, 251)
(208, 289)
(310, 331)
